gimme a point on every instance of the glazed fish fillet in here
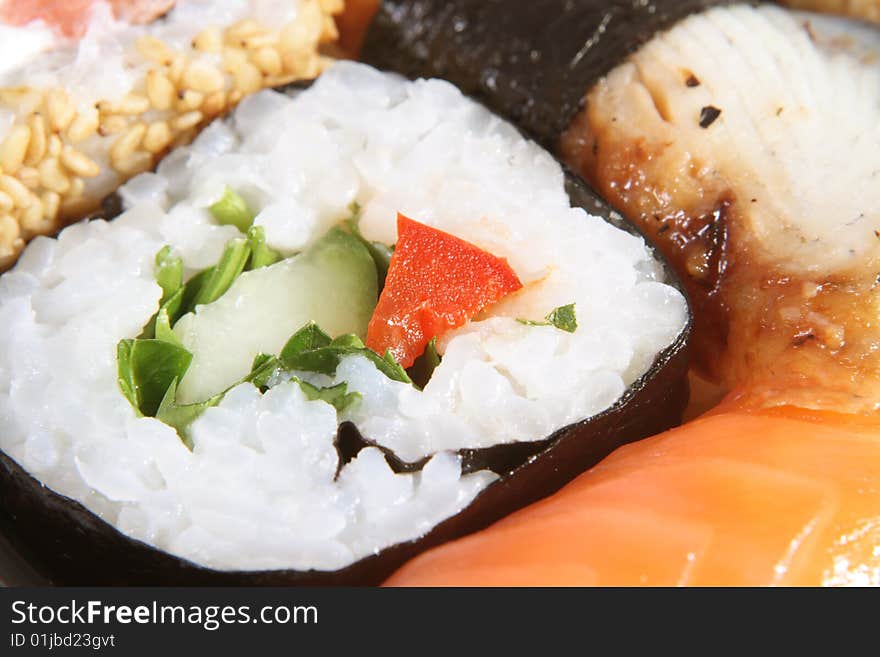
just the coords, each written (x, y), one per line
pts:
(868, 10)
(782, 497)
(746, 142)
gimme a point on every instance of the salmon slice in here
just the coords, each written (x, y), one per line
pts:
(71, 17)
(773, 497)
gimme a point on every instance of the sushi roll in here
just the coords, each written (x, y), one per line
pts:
(347, 323)
(93, 92)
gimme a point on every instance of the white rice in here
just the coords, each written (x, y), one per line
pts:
(258, 489)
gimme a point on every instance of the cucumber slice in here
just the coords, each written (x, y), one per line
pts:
(333, 284)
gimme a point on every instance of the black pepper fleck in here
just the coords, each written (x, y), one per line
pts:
(708, 115)
(802, 338)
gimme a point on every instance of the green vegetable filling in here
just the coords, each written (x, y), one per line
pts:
(151, 366)
(562, 318)
(261, 255)
(233, 210)
(147, 368)
(312, 350)
(381, 253)
(337, 396)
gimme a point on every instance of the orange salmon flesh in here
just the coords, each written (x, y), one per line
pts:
(776, 497)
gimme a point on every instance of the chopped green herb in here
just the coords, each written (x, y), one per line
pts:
(163, 328)
(260, 360)
(337, 396)
(312, 350)
(388, 366)
(169, 276)
(381, 253)
(169, 272)
(147, 368)
(224, 273)
(263, 369)
(562, 318)
(308, 338)
(173, 307)
(348, 341)
(233, 210)
(124, 373)
(180, 416)
(261, 255)
(190, 292)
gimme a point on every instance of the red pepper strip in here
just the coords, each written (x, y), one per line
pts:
(436, 282)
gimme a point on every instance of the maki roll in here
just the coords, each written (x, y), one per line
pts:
(93, 92)
(345, 324)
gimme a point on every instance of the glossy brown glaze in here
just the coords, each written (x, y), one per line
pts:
(868, 10)
(353, 23)
(807, 337)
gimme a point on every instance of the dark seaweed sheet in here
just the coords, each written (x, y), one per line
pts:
(531, 61)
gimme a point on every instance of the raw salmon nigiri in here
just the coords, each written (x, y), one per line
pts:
(781, 496)
(71, 17)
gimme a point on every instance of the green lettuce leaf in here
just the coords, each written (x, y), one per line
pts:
(337, 396)
(169, 272)
(312, 350)
(219, 278)
(146, 369)
(563, 318)
(233, 210)
(261, 254)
